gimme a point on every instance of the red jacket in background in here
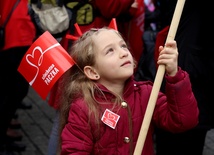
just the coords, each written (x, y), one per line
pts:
(19, 30)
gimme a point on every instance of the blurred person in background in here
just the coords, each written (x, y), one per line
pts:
(196, 56)
(19, 35)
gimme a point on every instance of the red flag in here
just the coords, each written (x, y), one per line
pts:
(44, 63)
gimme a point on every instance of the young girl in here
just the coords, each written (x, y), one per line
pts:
(103, 107)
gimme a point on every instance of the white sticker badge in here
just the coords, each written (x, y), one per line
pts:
(110, 118)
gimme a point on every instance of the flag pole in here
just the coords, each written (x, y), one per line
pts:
(157, 82)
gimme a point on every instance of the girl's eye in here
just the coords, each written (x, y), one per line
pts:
(124, 46)
(109, 50)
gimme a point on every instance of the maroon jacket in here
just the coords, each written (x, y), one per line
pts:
(176, 111)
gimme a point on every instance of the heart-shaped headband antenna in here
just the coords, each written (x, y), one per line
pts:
(112, 25)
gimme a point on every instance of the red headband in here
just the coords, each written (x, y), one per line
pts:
(112, 25)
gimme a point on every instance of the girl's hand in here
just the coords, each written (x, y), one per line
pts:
(168, 56)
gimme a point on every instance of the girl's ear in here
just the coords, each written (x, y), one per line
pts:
(91, 73)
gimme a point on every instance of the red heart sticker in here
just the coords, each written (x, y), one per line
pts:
(110, 118)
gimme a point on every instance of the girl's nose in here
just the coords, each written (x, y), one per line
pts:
(123, 53)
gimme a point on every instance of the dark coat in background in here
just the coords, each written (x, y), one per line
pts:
(196, 53)
(196, 56)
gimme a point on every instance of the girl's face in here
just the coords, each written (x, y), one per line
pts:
(114, 62)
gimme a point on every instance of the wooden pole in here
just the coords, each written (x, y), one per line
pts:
(157, 82)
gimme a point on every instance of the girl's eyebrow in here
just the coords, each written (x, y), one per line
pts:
(109, 45)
